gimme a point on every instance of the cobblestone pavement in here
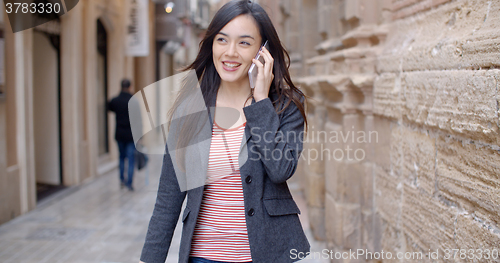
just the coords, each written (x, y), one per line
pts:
(96, 222)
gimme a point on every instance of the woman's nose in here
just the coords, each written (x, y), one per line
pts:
(232, 50)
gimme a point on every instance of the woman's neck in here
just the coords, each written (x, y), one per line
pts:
(233, 93)
(232, 96)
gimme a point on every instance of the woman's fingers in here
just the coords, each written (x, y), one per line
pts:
(260, 67)
(269, 62)
(265, 74)
(267, 58)
(257, 63)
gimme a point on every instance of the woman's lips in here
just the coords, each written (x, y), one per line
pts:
(230, 66)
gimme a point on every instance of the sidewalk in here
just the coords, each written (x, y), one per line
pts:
(95, 223)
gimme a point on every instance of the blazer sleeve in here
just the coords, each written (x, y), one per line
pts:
(278, 141)
(165, 215)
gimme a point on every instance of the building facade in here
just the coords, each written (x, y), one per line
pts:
(402, 153)
(57, 77)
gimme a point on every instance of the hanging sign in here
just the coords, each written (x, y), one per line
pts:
(137, 28)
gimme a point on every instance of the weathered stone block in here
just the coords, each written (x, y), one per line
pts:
(314, 144)
(313, 154)
(343, 224)
(372, 136)
(419, 159)
(497, 78)
(474, 233)
(414, 253)
(461, 34)
(331, 165)
(388, 196)
(304, 180)
(369, 65)
(350, 181)
(317, 222)
(367, 183)
(404, 8)
(298, 175)
(459, 101)
(399, 4)
(428, 222)
(353, 65)
(316, 193)
(334, 144)
(351, 10)
(351, 227)
(382, 144)
(468, 175)
(371, 231)
(353, 98)
(386, 96)
(333, 221)
(393, 240)
(367, 225)
(396, 154)
(331, 181)
(296, 69)
(354, 138)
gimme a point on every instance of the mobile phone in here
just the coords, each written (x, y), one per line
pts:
(252, 72)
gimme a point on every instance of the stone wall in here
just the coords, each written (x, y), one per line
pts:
(403, 149)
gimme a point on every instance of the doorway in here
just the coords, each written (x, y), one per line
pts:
(47, 113)
(102, 89)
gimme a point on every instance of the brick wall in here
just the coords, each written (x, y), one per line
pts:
(424, 77)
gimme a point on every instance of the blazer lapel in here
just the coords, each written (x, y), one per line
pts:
(243, 154)
(248, 132)
(205, 150)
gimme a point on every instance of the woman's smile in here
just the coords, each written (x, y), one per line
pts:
(231, 65)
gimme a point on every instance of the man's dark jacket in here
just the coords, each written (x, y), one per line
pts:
(119, 105)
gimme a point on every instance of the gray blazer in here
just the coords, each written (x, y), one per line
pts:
(272, 218)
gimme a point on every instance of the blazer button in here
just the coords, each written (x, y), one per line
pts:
(251, 212)
(248, 179)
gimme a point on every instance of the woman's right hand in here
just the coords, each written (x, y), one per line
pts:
(265, 75)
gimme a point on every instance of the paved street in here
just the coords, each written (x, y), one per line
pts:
(95, 222)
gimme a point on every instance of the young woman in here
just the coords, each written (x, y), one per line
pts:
(245, 212)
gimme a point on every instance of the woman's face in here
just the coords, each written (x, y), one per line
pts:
(234, 47)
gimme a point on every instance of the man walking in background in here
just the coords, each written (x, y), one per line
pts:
(123, 133)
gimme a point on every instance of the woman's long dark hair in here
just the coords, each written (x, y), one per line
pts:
(205, 68)
(210, 80)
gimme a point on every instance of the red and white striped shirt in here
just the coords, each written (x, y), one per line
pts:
(221, 232)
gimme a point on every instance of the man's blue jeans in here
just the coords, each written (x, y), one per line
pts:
(203, 260)
(127, 151)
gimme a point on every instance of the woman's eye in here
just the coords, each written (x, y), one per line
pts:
(221, 39)
(245, 43)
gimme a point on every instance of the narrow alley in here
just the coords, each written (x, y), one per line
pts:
(97, 222)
